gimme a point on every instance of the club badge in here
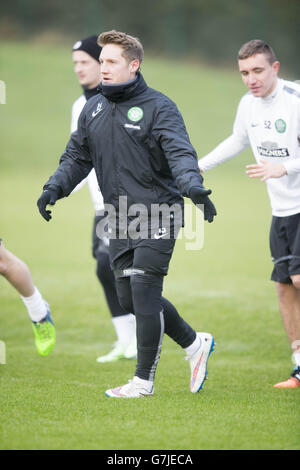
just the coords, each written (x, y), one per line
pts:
(135, 114)
(280, 126)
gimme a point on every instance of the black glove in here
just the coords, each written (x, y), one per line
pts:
(49, 196)
(199, 195)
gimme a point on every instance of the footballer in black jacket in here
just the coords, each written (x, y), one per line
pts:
(136, 140)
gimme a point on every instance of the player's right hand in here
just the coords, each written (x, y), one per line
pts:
(49, 196)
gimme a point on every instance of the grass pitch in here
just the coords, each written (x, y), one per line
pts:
(58, 402)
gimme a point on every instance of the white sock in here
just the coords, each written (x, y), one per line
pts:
(36, 305)
(297, 358)
(125, 328)
(190, 350)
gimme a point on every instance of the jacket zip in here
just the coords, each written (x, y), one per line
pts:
(113, 147)
(122, 230)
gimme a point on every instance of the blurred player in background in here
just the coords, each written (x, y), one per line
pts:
(19, 276)
(85, 56)
(268, 120)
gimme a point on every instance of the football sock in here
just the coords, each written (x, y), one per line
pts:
(36, 306)
(190, 350)
(297, 358)
(125, 328)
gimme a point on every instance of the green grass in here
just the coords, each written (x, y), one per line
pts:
(58, 402)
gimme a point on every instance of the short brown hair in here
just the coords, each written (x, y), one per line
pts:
(256, 46)
(132, 47)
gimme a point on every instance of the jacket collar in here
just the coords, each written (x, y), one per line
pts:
(89, 92)
(123, 91)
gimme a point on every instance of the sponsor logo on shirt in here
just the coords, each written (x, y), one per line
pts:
(131, 126)
(270, 149)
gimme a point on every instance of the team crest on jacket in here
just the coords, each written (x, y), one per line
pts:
(135, 114)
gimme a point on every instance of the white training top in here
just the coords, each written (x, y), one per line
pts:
(91, 179)
(271, 126)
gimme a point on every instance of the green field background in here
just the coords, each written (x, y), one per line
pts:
(58, 402)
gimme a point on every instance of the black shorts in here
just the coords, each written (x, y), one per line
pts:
(148, 255)
(285, 247)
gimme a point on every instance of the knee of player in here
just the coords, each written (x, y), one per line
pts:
(125, 301)
(283, 290)
(146, 293)
(124, 294)
(296, 281)
(3, 267)
(6, 260)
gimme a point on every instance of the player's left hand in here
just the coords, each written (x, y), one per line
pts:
(48, 196)
(265, 170)
(199, 196)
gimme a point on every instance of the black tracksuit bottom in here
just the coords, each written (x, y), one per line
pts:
(104, 272)
(139, 267)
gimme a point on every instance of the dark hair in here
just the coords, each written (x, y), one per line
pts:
(256, 46)
(132, 47)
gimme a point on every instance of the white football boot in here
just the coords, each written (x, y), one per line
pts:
(120, 352)
(115, 354)
(135, 388)
(198, 361)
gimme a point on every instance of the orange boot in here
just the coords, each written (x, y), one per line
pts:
(292, 382)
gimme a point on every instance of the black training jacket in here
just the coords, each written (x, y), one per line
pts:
(138, 144)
